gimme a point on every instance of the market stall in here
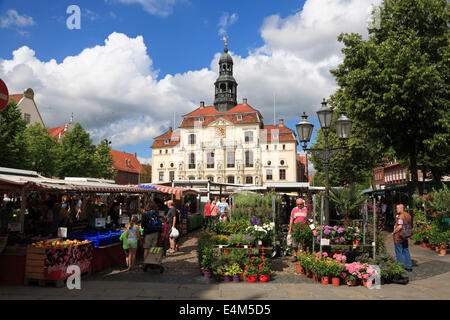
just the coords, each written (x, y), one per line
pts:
(29, 255)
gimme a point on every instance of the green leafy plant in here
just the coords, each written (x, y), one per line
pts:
(347, 201)
(302, 233)
(233, 269)
(251, 270)
(219, 239)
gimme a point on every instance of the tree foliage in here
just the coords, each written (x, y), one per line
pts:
(394, 86)
(12, 137)
(41, 150)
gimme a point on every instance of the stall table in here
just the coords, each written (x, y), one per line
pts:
(108, 256)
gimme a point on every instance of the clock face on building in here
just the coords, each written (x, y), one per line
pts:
(220, 132)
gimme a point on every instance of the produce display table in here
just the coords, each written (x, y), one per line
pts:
(12, 269)
(108, 256)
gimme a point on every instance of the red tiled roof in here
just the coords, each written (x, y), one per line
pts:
(17, 97)
(54, 132)
(125, 162)
(249, 115)
(172, 136)
(284, 133)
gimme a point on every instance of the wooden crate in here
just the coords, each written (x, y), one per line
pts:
(35, 263)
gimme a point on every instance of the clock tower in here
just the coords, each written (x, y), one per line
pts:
(225, 86)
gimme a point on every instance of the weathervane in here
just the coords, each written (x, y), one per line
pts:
(225, 38)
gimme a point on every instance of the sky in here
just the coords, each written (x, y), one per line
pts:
(134, 64)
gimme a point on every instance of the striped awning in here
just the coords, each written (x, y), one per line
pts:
(169, 190)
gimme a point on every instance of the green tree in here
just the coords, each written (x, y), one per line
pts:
(103, 162)
(146, 173)
(76, 154)
(12, 137)
(394, 86)
(41, 150)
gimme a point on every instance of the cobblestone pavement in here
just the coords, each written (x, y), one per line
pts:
(181, 279)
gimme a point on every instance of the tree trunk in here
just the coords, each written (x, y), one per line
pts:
(347, 219)
(413, 165)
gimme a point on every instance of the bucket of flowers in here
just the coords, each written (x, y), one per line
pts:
(350, 273)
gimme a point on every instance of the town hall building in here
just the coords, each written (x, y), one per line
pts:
(227, 142)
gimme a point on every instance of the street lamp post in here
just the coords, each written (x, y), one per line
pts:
(343, 127)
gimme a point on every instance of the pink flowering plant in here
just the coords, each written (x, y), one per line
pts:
(335, 234)
(357, 270)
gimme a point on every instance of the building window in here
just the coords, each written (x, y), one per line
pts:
(201, 119)
(166, 141)
(210, 179)
(161, 165)
(167, 151)
(27, 117)
(210, 160)
(230, 179)
(269, 175)
(160, 151)
(191, 178)
(230, 159)
(284, 147)
(161, 176)
(274, 147)
(282, 174)
(249, 180)
(249, 159)
(267, 147)
(249, 136)
(192, 161)
(171, 175)
(269, 163)
(192, 139)
(282, 162)
(239, 117)
(171, 165)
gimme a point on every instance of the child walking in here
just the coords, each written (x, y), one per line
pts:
(133, 236)
(123, 239)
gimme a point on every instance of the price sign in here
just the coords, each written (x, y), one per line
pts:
(325, 242)
(312, 226)
(62, 232)
(125, 220)
(14, 226)
(245, 246)
(100, 222)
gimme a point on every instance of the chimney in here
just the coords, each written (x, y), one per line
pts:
(281, 122)
(202, 104)
(170, 129)
(244, 101)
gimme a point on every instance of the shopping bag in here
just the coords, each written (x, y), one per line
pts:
(174, 233)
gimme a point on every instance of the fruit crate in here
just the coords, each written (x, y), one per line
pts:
(50, 263)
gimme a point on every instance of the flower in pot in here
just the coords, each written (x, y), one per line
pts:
(351, 271)
(347, 201)
(251, 273)
(336, 269)
(234, 271)
(264, 273)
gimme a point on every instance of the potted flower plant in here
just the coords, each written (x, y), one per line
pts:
(251, 273)
(351, 273)
(234, 271)
(335, 270)
(264, 273)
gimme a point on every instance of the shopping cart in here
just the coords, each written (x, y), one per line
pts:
(154, 259)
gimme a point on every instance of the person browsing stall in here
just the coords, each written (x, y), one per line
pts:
(298, 215)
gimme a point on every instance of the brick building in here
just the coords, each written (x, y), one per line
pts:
(127, 166)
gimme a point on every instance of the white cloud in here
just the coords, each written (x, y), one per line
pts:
(114, 92)
(145, 160)
(14, 19)
(225, 21)
(161, 8)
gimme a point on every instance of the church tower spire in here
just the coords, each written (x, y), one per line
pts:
(226, 86)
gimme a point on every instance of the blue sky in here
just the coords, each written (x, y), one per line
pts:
(134, 63)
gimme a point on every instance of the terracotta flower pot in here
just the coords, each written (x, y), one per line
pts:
(355, 242)
(225, 252)
(308, 273)
(315, 278)
(325, 280)
(436, 249)
(364, 283)
(352, 283)
(299, 268)
(424, 245)
(264, 278)
(252, 278)
(428, 245)
(336, 281)
(442, 252)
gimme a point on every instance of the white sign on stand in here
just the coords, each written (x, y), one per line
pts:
(62, 232)
(325, 242)
(312, 226)
(100, 222)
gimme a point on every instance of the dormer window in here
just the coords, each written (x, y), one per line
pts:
(166, 141)
(201, 119)
(239, 117)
